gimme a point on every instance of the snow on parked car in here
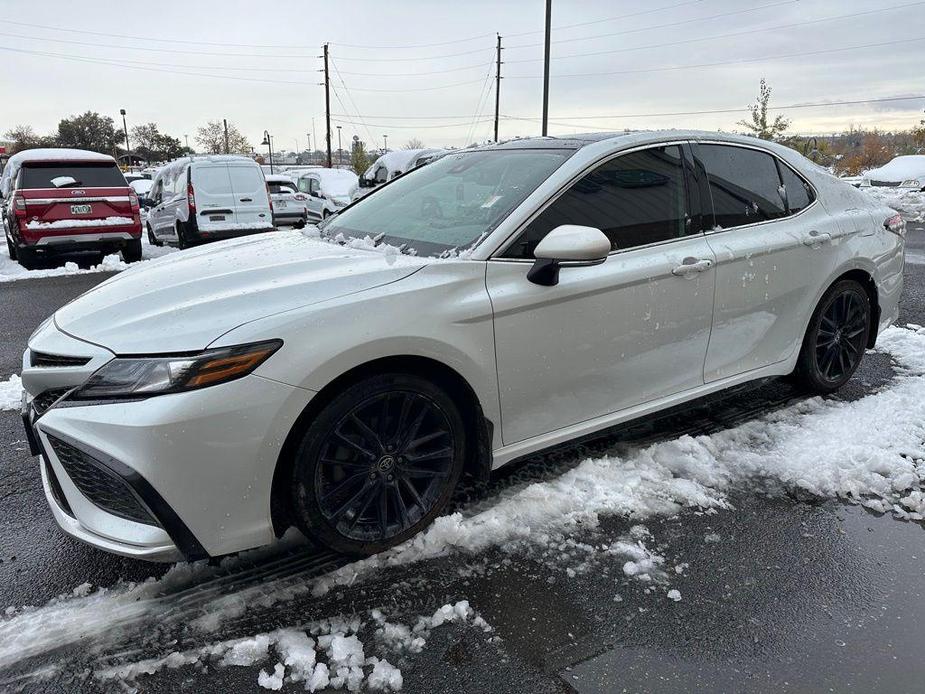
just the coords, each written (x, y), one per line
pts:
(907, 171)
(290, 206)
(328, 190)
(395, 163)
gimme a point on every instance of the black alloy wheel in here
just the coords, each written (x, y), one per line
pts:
(836, 338)
(379, 464)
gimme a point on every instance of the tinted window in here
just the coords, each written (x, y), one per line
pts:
(85, 175)
(303, 184)
(744, 185)
(635, 199)
(799, 194)
(277, 188)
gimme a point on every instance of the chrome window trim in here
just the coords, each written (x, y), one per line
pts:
(603, 159)
(77, 200)
(743, 145)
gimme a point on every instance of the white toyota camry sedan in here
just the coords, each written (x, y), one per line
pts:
(497, 302)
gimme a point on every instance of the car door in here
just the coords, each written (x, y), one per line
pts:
(770, 259)
(157, 216)
(251, 201)
(608, 337)
(315, 201)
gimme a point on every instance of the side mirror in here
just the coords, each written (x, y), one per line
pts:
(568, 245)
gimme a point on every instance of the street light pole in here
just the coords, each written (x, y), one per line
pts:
(310, 153)
(546, 69)
(128, 150)
(340, 151)
(386, 141)
(269, 143)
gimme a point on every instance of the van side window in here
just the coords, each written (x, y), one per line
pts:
(382, 174)
(635, 199)
(304, 184)
(798, 192)
(744, 185)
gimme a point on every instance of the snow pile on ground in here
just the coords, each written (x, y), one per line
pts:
(11, 270)
(911, 203)
(870, 451)
(73, 223)
(327, 654)
(10, 393)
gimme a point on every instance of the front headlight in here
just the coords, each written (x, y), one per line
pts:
(341, 201)
(141, 377)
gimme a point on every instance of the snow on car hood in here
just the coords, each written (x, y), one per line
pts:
(184, 301)
(900, 169)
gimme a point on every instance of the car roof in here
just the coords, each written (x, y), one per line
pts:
(52, 154)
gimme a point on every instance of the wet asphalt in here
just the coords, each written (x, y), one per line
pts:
(780, 594)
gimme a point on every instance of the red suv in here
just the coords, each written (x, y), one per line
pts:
(65, 200)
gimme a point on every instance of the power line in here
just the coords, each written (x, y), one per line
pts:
(418, 45)
(413, 74)
(821, 104)
(373, 140)
(416, 58)
(723, 36)
(408, 127)
(662, 26)
(610, 19)
(721, 63)
(416, 89)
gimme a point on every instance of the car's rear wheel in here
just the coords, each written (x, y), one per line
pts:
(378, 464)
(183, 240)
(835, 339)
(28, 258)
(131, 252)
(300, 224)
(11, 247)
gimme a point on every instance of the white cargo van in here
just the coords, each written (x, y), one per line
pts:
(205, 198)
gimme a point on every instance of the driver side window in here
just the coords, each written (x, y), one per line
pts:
(635, 199)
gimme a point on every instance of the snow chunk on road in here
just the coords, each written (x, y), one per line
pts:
(384, 677)
(274, 681)
(674, 595)
(10, 393)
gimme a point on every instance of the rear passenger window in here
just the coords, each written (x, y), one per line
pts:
(212, 179)
(744, 185)
(246, 179)
(799, 194)
(635, 199)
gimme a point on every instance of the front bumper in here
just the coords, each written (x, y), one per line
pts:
(201, 463)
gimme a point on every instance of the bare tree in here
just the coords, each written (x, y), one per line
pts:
(414, 143)
(759, 124)
(24, 137)
(211, 138)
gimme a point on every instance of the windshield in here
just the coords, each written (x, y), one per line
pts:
(450, 204)
(343, 184)
(52, 175)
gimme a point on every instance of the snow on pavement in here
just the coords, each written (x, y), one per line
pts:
(870, 451)
(10, 393)
(10, 270)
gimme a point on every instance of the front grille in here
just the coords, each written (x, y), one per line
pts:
(884, 184)
(46, 399)
(51, 361)
(100, 485)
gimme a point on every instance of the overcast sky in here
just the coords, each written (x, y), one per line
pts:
(272, 50)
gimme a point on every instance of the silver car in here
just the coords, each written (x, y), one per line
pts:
(494, 303)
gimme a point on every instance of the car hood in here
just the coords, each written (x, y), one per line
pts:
(184, 301)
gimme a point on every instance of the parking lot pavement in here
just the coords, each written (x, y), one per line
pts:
(776, 592)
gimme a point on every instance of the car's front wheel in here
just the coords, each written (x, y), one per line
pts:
(152, 239)
(835, 339)
(378, 464)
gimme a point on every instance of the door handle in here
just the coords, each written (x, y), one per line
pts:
(814, 238)
(692, 266)
(247, 200)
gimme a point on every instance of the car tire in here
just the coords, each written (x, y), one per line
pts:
(378, 464)
(835, 339)
(131, 252)
(301, 223)
(11, 247)
(28, 258)
(325, 214)
(183, 240)
(152, 239)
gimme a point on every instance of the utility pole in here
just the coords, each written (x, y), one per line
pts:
(225, 125)
(386, 146)
(327, 103)
(340, 151)
(546, 69)
(128, 150)
(498, 88)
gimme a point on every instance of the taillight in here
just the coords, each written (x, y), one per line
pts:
(269, 197)
(191, 197)
(133, 201)
(896, 224)
(300, 197)
(19, 205)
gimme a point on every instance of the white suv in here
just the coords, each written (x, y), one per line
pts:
(494, 303)
(205, 198)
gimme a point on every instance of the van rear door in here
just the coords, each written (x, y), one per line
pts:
(215, 200)
(252, 204)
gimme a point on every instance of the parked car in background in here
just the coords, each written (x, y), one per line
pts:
(902, 172)
(328, 190)
(67, 200)
(395, 163)
(194, 200)
(290, 207)
(141, 186)
(547, 289)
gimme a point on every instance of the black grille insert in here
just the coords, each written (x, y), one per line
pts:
(56, 490)
(884, 184)
(44, 360)
(46, 399)
(99, 484)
